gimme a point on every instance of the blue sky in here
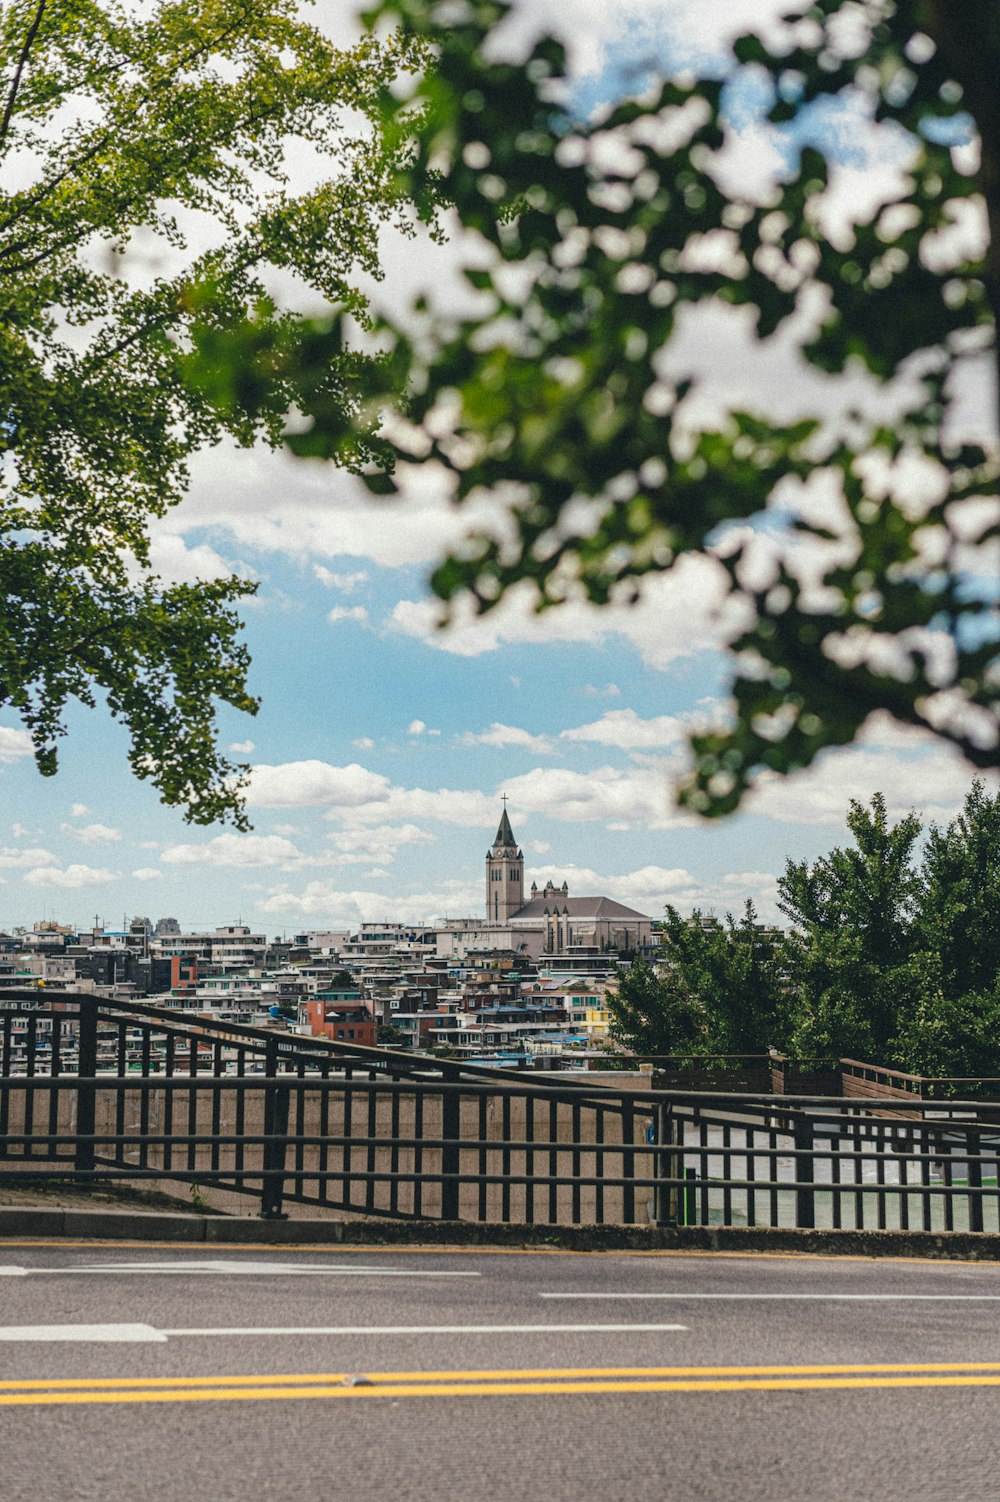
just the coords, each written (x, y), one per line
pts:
(383, 746)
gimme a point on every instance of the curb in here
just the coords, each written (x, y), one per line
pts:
(17, 1222)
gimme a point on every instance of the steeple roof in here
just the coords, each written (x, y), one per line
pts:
(505, 835)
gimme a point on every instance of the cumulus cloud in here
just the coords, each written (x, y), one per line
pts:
(625, 729)
(507, 735)
(364, 743)
(910, 768)
(351, 847)
(145, 873)
(14, 744)
(243, 850)
(79, 811)
(92, 834)
(69, 877)
(13, 859)
(354, 795)
(356, 613)
(346, 583)
(344, 907)
(315, 784)
(20, 831)
(242, 748)
(634, 797)
(679, 615)
(650, 888)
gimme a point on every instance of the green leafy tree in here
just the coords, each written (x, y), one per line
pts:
(557, 395)
(126, 131)
(718, 987)
(953, 1027)
(853, 937)
(656, 1013)
(959, 904)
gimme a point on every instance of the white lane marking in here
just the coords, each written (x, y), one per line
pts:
(129, 1333)
(227, 1269)
(861, 1298)
(13, 1272)
(421, 1330)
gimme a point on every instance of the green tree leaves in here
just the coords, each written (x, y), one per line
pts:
(146, 214)
(892, 957)
(558, 397)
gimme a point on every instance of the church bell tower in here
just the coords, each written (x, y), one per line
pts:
(504, 874)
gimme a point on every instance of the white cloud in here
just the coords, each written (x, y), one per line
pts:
(379, 845)
(346, 583)
(339, 906)
(539, 847)
(650, 888)
(17, 860)
(14, 744)
(145, 873)
(356, 613)
(910, 768)
(242, 850)
(70, 877)
(79, 811)
(242, 748)
(178, 563)
(315, 784)
(679, 615)
(19, 831)
(624, 729)
(92, 834)
(507, 735)
(364, 743)
(416, 727)
(638, 796)
(609, 691)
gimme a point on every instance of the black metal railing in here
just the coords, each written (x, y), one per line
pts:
(104, 1090)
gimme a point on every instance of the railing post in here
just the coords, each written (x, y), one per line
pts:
(86, 1093)
(276, 1099)
(974, 1179)
(805, 1174)
(665, 1197)
(451, 1132)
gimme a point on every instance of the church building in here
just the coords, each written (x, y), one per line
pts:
(551, 921)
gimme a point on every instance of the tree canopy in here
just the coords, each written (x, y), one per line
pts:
(891, 956)
(146, 212)
(858, 539)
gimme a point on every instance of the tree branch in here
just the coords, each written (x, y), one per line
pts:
(19, 70)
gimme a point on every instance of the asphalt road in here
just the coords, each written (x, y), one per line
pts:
(145, 1372)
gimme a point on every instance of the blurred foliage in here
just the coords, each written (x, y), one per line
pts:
(125, 130)
(857, 543)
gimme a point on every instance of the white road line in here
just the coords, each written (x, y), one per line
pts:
(860, 1298)
(228, 1269)
(122, 1333)
(422, 1330)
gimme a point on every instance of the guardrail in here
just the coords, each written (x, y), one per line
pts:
(135, 1093)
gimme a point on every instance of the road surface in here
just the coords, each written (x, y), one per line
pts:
(148, 1373)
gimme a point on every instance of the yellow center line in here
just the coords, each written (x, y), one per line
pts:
(494, 1389)
(522, 1381)
(499, 1374)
